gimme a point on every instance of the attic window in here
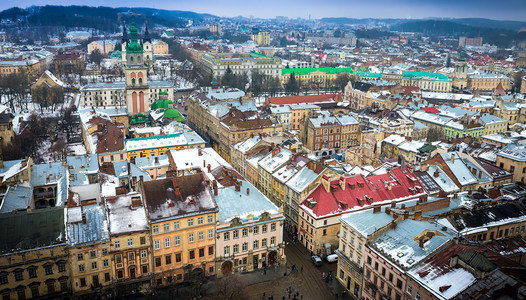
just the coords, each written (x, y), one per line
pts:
(360, 184)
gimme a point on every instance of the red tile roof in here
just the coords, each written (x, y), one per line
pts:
(361, 192)
(411, 90)
(432, 110)
(304, 99)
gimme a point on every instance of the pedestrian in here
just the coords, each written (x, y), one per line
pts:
(264, 296)
(336, 295)
(323, 275)
(301, 269)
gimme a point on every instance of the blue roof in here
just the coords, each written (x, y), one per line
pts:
(366, 222)
(46, 174)
(94, 231)
(15, 198)
(80, 166)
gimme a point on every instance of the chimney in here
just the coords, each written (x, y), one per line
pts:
(200, 152)
(393, 225)
(50, 165)
(238, 186)
(406, 215)
(436, 173)
(326, 183)
(204, 163)
(423, 198)
(480, 174)
(421, 243)
(388, 210)
(452, 158)
(418, 215)
(376, 209)
(342, 183)
(208, 168)
(136, 202)
(248, 191)
(393, 204)
(214, 186)
(84, 218)
(156, 160)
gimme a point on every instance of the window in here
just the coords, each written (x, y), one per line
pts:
(3, 278)
(131, 256)
(191, 238)
(177, 240)
(324, 231)
(417, 297)
(105, 263)
(226, 236)
(143, 240)
(376, 266)
(273, 227)
(117, 244)
(157, 261)
(156, 245)
(167, 243)
(130, 242)
(80, 256)
(49, 269)
(211, 250)
(200, 220)
(210, 219)
(81, 268)
(264, 243)
(227, 251)
(201, 235)
(143, 253)
(192, 254)
(94, 265)
(272, 241)
(235, 234)
(256, 230)
(244, 232)
(176, 225)
(178, 257)
(264, 229)
(107, 277)
(352, 240)
(166, 227)
(32, 272)
(256, 245)
(104, 251)
(50, 287)
(399, 283)
(360, 246)
(202, 252)
(369, 260)
(168, 259)
(118, 258)
(409, 289)
(155, 229)
(245, 247)
(210, 233)
(190, 222)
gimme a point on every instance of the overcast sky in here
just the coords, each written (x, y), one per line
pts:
(415, 9)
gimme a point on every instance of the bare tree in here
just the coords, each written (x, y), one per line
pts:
(230, 287)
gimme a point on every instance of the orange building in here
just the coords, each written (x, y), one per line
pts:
(182, 214)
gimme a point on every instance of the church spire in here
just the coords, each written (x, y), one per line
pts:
(133, 46)
(124, 33)
(146, 35)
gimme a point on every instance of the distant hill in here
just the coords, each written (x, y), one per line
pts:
(354, 21)
(102, 18)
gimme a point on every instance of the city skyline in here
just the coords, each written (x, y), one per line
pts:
(405, 9)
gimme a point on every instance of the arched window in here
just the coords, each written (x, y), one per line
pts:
(133, 81)
(131, 58)
(138, 58)
(140, 80)
(147, 56)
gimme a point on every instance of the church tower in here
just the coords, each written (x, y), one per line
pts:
(460, 76)
(124, 42)
(136, 72)
(147, 46)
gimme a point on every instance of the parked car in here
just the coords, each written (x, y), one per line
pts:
(332, 258)
(316, 260)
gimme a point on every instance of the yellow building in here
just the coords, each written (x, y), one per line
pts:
(512, 158)
(158, 145)
(131, 252)
(315, 77)
(160, 47)
(36, 268)
(104, 46)
(89, 250)
(6, 129)
(182, 214)
(262, 38)
(487, 82)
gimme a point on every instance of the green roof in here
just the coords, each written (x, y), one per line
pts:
(23, 230)
(427, 148)
(307, 71)
(173, 114)
(257, 54)
(163, 93)
(155, 137)
(133, 46)
(431, 75)
(369, 74)
(168, 33)
(116, 54)
(161, 103)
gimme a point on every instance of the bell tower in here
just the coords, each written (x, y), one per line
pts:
(136, 71)
(460, 76)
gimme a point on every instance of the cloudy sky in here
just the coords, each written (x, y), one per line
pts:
(500, 10)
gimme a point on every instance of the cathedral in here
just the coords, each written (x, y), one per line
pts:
(136, 92)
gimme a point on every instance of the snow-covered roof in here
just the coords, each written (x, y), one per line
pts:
(162, 141)
(412, 146)
(246, 145)
(394, 139)
(238, 204)
(366, 222)
(125, 218)
(94, 230)
(514, 151)
(81, 166)
(191, 158)
(444, 182)
(459, 168)
(302, 179)
(401, 245)
(46, 174)
(11, 168)
(272, 162)
(16, 197)
(150, 162)
(55, 79)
